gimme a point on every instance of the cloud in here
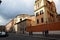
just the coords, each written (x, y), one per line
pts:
(3, 21)
(15, 7)
(10, 8)
(57, 2)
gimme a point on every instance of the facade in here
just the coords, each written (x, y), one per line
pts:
(45, 11)
(17, 21)
(9, 26)
(14, 24)
(21, 26)
(33, 21)
(22, 17)
(53, 28)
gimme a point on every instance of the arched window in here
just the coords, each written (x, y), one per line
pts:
(20, 19)
(37, 14)
(42, 20)
(41, 12)
(37, 21)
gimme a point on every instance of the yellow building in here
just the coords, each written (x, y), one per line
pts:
(9, 26)
(20, 19)
(45, 11)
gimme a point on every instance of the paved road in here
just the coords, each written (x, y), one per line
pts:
(25, 37)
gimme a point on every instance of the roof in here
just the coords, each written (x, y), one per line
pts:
(23, 21)
(32, 15)
(2, 25)
(58, 14)
(23, 15)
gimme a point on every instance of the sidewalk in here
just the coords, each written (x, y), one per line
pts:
(51, 36)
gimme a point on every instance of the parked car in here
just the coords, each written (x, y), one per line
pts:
(3, 34)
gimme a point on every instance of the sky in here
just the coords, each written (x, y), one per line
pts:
(11, 8)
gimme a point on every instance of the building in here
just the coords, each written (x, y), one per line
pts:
(9, 26)
(17, 21)
(20, 27)
(46, 18)
(45, 11)
(23, 19)
(33, 20)
(2, 28)
(52, 28)
(15, 24)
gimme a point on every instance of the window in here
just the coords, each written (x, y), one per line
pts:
(38, 4)
(37, 14)
(20, 19)
(41, 12)
(37, 21)
(51, 14)
(42, 20)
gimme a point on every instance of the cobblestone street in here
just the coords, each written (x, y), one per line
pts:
(27, 37)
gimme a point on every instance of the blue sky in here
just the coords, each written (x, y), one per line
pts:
(10, 8)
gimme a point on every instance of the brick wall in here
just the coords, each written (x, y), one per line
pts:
(39, 28)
